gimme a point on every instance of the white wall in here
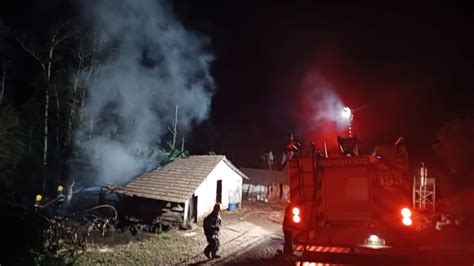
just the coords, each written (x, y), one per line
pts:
(206, 192)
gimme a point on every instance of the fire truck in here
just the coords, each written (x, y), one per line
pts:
(348, 205)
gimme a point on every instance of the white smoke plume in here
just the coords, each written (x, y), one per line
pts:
(152, 64)
(328, 107)
(324, 104)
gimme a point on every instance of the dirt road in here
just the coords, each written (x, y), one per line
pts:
(253, 233)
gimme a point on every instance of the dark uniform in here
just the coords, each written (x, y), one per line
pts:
(286, 226)
(211, 225)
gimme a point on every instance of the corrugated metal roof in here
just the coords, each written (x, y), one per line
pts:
(265, 177)
(177, 180)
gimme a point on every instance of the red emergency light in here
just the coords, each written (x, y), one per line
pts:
(296, 215)
(406, 214)
(407, 221)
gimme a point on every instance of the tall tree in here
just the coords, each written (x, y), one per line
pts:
(174, 131)
(45, 60)
(3, 65)
(4, 78)
(80, 54)
(86, 54)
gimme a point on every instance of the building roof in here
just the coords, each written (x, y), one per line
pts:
(177, 180)
(265, 177)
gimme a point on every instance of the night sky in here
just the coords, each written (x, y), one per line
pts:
(404, 68)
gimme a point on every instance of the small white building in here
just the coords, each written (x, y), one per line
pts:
(184, 190)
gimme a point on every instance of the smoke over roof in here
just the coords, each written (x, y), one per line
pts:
(152, 64)
(321, 104)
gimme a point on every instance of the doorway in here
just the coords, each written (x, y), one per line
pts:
(219, 191)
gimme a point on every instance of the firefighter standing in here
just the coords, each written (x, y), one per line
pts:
(211, 225)
(292, 147)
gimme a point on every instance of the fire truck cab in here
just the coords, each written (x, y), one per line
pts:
(347, 205)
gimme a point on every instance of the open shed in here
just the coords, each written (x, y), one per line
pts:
(182, 191)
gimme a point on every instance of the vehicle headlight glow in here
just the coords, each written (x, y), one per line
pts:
(374, 240)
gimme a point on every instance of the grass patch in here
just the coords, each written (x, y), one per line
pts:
(164, 236)
(166, 248)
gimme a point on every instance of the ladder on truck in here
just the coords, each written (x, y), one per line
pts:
(306, 185)
(424, 191)
(306, 181)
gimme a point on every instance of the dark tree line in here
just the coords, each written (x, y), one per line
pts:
(39, 102)
(43, 77)
(44, 67)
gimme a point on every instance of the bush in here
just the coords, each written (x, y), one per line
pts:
(62, 241)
